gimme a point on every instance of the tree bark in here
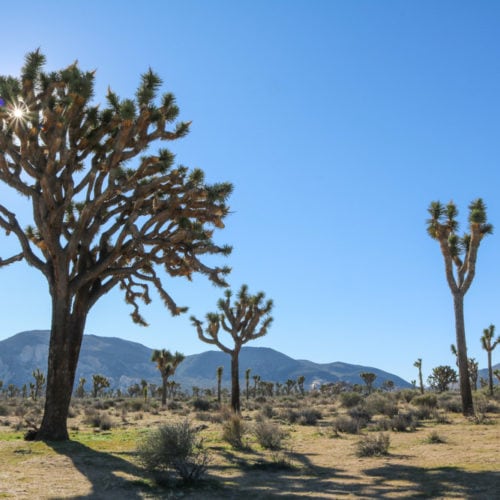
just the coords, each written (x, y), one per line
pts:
(490, 374)
(463, 366)
(235, 381)
(64, 349)
(164, 391)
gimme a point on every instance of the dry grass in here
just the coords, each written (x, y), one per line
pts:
(315, 462)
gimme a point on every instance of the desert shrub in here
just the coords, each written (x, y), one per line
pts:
(424, 412)
(403, 421)
(4, 410)
(135, 405)
(429, 400)
(348, 424)
(309, 416)
(435, 438)
(440, 417)
(350, 399)
(97, 419)
(407, 395)
(200, 404)
(383, 404)
(360, 413)
(266, 412)
(268, 434)
(373, 446)
(382, 424)
(450, 402)
(233, 430)
(174, 447)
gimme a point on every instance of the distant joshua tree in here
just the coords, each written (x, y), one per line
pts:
(472, 365)
(368, 379)
(99, 383)
(167, 363)
(460, 255)
(39, 383)
(441, 378)
(418, 364)
(247, 319)
(80, 390)
(489, 343)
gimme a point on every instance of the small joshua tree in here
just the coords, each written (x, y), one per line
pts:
(368, 379)
(247, 382)
(80, 390)
(39, 383)
(99, 383)
(489, 343)
(460, 255)
(441, 378)
(167, 363)
(247, 319)
(418, 364)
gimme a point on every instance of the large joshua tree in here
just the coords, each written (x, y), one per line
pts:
(167, 363)
(100, 219)
(489, 343)
(247, 319)
(460, 255)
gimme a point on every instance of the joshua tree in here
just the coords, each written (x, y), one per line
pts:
(106, 211)
(167, 363)
(418, 364)
(220, 370)
(300, 383)
(39, 383)
(460, 255)
(489, 343)
(247, 319)
(368, 379)
(441, 378)
(99, 383)
(247, 382)
(80, 390)
(256, 380)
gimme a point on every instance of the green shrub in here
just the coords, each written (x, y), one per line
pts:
(429, 400)
(350, 399)
(200, 404)
(450, 402)
(383, 404)
(373, 446)
(4, 410)
(97, 419)
(348, 424)
(174, 448)
(403, 421)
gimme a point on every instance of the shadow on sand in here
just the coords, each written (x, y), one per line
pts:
(110, 476)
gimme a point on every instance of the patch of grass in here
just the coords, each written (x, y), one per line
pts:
(435, 438)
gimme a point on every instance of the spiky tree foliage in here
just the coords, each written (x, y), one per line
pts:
(80, 390)
(368, 379)
(489, 343)
(105, 211)
(441, 378)
(220, 370)
(248, 318)
(167, 363)
(418, 364)
(99, 383)
(460, 255)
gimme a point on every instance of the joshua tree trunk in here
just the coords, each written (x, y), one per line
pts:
(64, 349)
(462, 360)
(235, 381)
(490, 374)
(164, 391)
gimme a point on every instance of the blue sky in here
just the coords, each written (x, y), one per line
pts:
(338, 123)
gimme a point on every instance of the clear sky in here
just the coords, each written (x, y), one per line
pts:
(338, 123)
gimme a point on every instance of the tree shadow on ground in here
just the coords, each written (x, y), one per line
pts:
(437, 482)
(110, 476)
(281, 474)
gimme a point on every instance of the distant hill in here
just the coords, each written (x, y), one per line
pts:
(126, 363)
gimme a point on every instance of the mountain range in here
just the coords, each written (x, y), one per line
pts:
(124, 363)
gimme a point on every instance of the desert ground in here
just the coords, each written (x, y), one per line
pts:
(433, 452)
